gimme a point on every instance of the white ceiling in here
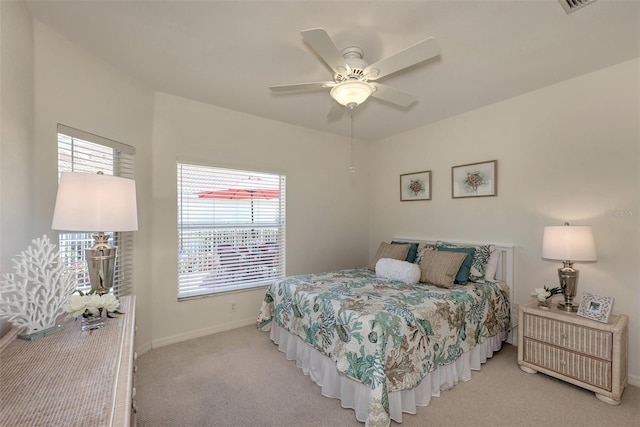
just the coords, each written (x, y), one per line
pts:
(227, 53)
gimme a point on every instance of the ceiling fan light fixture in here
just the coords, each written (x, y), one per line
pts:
(351, 93)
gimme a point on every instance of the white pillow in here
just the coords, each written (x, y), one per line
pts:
(394, 269)
(492, 266)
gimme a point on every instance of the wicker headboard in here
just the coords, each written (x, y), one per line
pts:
(504, 272)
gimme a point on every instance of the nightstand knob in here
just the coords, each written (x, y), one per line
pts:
(563, 335)
(563, 363)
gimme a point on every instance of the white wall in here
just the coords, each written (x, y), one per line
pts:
(16, 133)
(72, 87)
(326, 205)
(568, 152)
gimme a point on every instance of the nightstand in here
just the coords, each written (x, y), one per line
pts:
(583, 352)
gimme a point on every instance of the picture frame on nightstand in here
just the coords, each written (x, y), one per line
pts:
(595, 307)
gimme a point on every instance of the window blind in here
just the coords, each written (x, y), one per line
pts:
(231, 229)
(80, 151)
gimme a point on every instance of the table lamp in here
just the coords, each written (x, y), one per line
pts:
(568, 244)
(92, 203)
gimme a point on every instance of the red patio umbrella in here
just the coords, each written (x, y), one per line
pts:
(241, 194)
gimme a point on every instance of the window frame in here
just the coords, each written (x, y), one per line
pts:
(222, 247)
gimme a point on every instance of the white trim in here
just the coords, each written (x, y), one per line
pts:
(86, 136)
(173, 339)
(229, 165)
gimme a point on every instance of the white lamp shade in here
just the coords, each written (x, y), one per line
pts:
(569, 243)
(351, 92)
(95, 203)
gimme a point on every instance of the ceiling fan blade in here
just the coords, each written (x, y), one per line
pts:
(419, 52)
(335, 112)
(320, 41)
(301, 87)
(394, 96)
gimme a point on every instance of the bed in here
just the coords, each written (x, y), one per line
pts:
(384, 346)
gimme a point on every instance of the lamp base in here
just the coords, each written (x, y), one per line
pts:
(568, 277)
(101, 262)
(572, 308)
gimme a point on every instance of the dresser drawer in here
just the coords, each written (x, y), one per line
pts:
(582, 339)
(589, 370)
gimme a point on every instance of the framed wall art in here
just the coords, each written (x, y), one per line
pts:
(415, 186)
(595, 307)
(475, 180)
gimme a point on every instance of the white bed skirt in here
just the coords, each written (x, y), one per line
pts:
(355, 395)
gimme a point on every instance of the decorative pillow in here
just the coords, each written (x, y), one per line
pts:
(411, 256)
(394, 269)
(387, 250)
(421, 248)
(440, 267)
(462, 276)
(492, 267)
(480, 261)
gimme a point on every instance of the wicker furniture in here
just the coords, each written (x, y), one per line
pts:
(72, 377)
(589, 354)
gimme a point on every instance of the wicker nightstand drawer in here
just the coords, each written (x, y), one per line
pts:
(590, 370)
(578, 338)
(583, 352)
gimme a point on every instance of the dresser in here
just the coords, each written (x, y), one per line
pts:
(589, 354)
(71, 378)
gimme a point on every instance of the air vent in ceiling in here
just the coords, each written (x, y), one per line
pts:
(573, 5)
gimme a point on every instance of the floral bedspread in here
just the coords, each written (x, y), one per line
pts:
(383, 333)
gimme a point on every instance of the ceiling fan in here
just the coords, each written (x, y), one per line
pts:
(354, 80)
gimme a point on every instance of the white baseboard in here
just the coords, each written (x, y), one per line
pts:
(143, 348)
(199, 333)
(512, 337)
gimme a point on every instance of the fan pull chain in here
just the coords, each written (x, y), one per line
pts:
(352, 168)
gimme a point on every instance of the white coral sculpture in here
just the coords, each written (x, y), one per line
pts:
(33, 296)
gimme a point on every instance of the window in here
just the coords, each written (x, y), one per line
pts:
(231, 229)
(80, 151)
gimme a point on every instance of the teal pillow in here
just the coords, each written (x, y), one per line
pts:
(462, 276)
(413, 250)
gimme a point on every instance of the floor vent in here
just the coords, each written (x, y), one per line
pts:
(573, 5)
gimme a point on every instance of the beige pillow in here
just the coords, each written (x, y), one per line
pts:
(387, 250)
(440, 267)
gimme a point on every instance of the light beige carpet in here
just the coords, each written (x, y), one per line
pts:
(239, 378)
